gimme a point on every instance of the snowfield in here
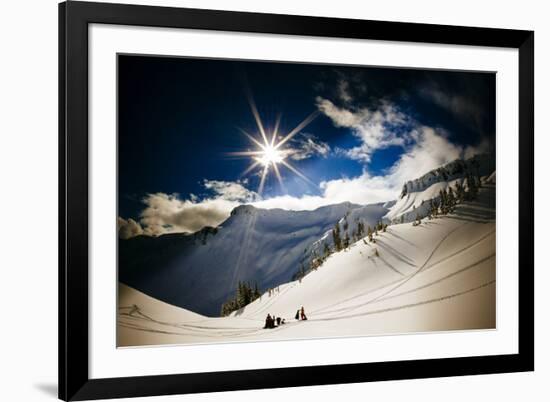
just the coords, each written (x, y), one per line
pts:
(437, 276)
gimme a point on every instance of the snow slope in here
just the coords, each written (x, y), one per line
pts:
(416, 194)
(368, 215)
(437, 276)
(417, 202)
(478, 165)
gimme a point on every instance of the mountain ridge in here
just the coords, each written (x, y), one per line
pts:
(199, 271)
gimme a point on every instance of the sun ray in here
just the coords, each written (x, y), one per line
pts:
(298, 173)
(298, 128)
(250, 168)
(257, 117)
(279, 178)
(262, 180)
(275, 130)
(251, 138)
(271, 153)
(245, 153)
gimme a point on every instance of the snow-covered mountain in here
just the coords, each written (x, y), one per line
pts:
(200, 271)
(351, 227)
(439, 275)
(478, 165)
(416, 194)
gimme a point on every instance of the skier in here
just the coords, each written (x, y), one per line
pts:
(278, 321)
(269, 322)
(303, 314)
(297, 316)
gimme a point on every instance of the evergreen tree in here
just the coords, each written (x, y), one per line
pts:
(451, 199)
(472, 183)
(360, 229)
(249, 293)
(443, 202)
(301, 272)
(241, 294)
(346, 241)
(326, 250)
(459, 191)
(244, 295)
(336, 237)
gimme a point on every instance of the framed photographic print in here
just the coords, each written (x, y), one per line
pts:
(257, 201)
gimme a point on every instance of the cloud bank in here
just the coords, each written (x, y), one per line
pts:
(168, 213)
(430, 151)
(128, 228)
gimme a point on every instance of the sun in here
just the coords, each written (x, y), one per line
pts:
(274, 151)
(270, 156)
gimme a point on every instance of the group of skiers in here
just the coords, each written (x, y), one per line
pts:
(272, 321)
(300, 314)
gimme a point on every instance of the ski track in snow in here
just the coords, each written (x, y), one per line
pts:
(271, 302)
(416, 289)
(398, 283)
(404, 306)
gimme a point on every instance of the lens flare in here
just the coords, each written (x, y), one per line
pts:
(270, 156)
(270, 152)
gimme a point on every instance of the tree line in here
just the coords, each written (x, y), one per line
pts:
(450, 197)
(341, 241)
(244, 295)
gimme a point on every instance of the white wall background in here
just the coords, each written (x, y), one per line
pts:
(28, 198)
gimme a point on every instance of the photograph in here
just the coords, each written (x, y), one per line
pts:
(264, 200)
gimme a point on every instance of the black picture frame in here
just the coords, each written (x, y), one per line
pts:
(74, 381)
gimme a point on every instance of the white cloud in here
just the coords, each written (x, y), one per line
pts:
(128, 228)
(376, 128)
(343, 91)
(305, 146)
(341, 117)
(430, 151)
(230, 191)
(168, 213)
(350, 86)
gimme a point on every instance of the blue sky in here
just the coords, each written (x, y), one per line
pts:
(181, 120)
